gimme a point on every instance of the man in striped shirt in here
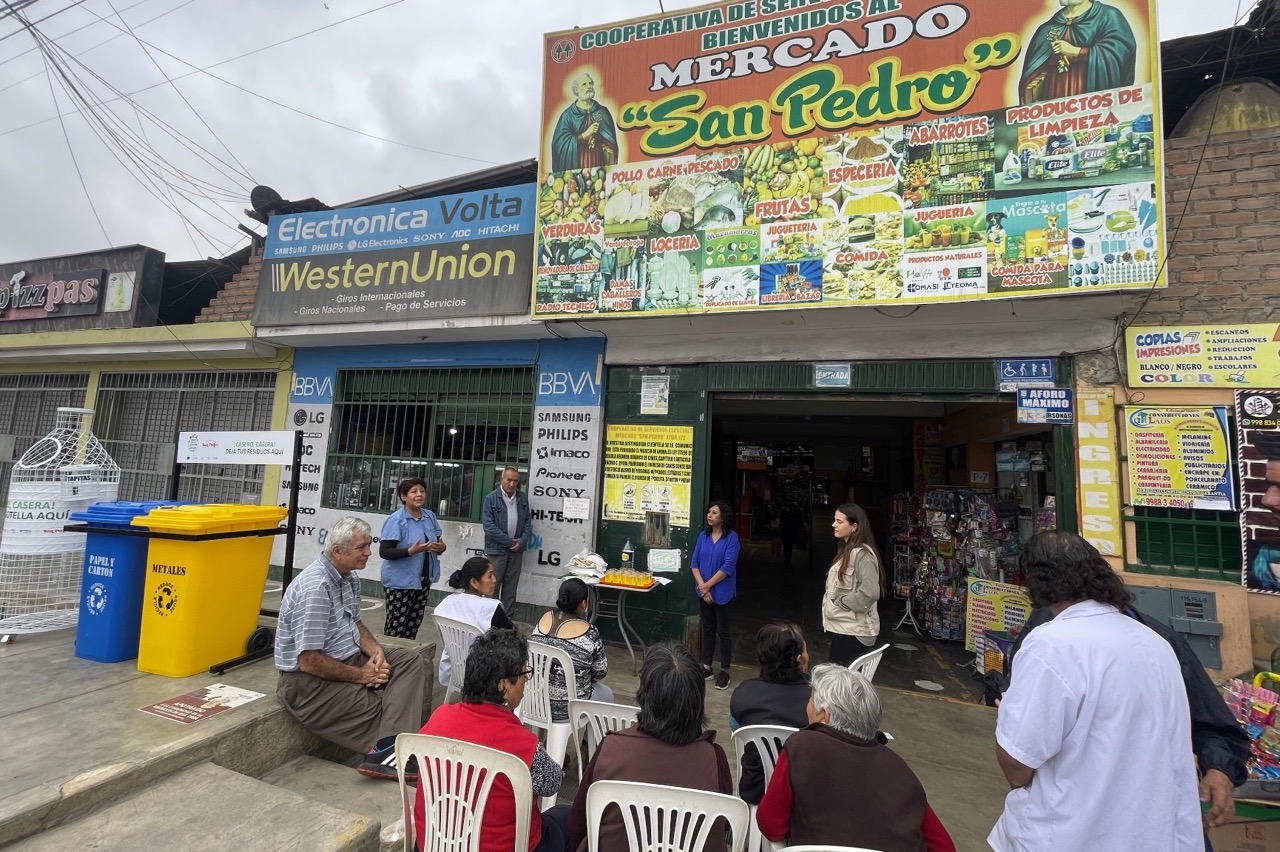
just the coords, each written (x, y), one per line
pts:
(334, 676)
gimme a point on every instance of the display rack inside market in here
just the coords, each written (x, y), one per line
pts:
(761, 155)
(955, 565)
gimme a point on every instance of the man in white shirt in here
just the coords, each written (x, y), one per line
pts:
(1094, 734)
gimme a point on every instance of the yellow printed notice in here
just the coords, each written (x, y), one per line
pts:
(1097, 468)
(993, 606)
(1204, 356)
(1178, 457)
(647, 469)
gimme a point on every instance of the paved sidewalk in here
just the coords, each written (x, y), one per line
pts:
(74, 733)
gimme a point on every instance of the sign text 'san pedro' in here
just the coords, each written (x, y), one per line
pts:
(945, 151)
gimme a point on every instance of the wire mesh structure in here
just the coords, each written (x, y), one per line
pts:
(41, 563)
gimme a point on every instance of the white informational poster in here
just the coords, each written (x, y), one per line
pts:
(235, 447)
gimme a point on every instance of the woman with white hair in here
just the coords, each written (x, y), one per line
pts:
(881, 804)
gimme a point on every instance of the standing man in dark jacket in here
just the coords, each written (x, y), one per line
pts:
(1220, 745)
(507, 533)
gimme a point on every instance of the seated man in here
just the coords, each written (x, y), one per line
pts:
(334, 676)
(837, 783)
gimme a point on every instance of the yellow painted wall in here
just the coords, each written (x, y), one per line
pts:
(980, 457)
(1250, 621)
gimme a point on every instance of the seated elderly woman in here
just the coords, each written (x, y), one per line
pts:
(566, 627)
(497, 669)
(778, 697)
(881, 804)
(667, 745)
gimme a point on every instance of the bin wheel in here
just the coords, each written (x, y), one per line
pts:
(259, 640)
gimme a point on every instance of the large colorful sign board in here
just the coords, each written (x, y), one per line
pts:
(772, 153)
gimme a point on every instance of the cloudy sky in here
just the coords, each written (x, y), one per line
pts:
(457, 83)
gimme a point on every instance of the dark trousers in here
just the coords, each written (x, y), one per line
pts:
(405, 608)
(715, 625)
(845, 649)
(555, 830)
(788, 547)
(506, 570)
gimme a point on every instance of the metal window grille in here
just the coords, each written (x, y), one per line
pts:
(456, 428)
(28, 404)
(139, 413)
(1187, 543)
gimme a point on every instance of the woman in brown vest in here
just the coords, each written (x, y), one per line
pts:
(881, 804)
(666, 746)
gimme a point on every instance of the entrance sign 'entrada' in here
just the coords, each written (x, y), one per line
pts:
(767, 153)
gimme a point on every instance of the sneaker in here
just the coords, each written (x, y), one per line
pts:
(380, 762)
(708, 673)
(722, 680)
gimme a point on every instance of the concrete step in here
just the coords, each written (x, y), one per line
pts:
(213, 809)
(76, 741)
(340, 786)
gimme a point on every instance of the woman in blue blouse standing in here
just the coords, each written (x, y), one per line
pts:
(715, 573)
(410, 546)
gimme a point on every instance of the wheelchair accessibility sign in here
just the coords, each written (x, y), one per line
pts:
(1014, 373)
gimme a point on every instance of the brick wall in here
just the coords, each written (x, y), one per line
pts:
(1224, 262)
(1259, 520)
(235, 301)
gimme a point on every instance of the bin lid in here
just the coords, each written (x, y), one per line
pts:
(196, 519)
(118, 513)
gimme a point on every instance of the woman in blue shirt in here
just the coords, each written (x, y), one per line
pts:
(410, 546)
(715, 573)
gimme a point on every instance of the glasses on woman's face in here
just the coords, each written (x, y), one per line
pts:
(526, 672)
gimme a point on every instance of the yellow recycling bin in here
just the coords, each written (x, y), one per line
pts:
(205, 576)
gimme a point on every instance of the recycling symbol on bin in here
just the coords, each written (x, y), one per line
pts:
(165, 599)
(96, 600)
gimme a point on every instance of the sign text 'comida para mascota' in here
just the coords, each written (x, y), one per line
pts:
(450, 255)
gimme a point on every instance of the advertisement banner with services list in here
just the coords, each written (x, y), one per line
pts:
(461, 255)
(775, 154)
(1207, 356)
(1179, 457)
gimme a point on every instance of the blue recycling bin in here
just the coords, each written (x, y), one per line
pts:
(115, 568)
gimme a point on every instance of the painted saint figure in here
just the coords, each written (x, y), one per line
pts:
(1086, 46)
(585, 135)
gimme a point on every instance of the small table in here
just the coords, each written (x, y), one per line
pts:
(600, 605)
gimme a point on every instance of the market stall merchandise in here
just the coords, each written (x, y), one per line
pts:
(944, 540)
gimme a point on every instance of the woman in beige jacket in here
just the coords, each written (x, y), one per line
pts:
(849, 613)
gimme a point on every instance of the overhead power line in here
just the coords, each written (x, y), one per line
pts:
(14, 7)
(47, 17)
(174, 86)
(206, 71)
(89, 49)
(66, 136)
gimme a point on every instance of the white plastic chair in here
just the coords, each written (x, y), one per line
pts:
(768, 740)
(535, 707)
(665, 819)
(595, 719)
(826, 848)
(456, 779)
(869, 662)
(457, 637)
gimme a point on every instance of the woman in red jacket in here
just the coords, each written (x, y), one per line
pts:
(497, 669)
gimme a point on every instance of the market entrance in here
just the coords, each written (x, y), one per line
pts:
(950, 487)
